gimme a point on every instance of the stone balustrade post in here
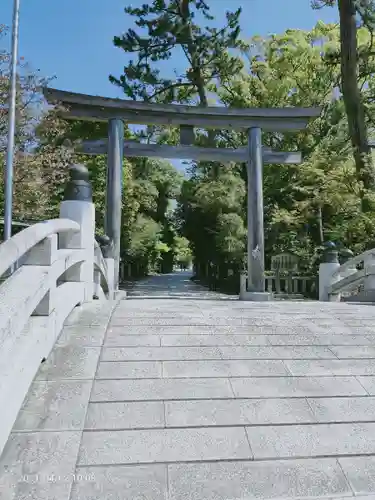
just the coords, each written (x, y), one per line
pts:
(344, 256)
(44, 254)
(78, 206)
(243, 284)
(368, 293)
(97, 276)
(110, 261)
(330, 263)
(107, 249)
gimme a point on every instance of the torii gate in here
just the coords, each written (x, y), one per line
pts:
(118, 111)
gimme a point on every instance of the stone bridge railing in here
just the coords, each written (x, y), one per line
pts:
(46, 270)
(354, 274)
(291, 285)
(350, 278)
(287, 286)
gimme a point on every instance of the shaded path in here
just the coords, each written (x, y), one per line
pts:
(176, 284)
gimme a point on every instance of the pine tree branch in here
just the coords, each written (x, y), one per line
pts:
(170, 87)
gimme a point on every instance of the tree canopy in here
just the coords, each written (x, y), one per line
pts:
(330, 196)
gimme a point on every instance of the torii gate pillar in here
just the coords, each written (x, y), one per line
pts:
(113, 207)
(255, 289)
(255, 239)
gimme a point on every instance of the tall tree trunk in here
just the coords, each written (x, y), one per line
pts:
(197, 77)
(320, 225)
(352, 100)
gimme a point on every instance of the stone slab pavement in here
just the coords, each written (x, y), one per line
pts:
(173, 397)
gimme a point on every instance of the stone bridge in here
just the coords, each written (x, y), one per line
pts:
(173, 392)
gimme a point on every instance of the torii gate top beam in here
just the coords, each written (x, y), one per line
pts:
(96, 108)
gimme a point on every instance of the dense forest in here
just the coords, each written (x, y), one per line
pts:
(169, 218)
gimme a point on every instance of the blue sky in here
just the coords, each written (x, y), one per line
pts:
(72, 39)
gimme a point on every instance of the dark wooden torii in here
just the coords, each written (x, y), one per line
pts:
(117, 111)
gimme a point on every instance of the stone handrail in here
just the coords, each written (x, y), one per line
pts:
(350, 264)
(335, 279)
(58, 264)
(350, 282)
(15, 248)
(34, 294)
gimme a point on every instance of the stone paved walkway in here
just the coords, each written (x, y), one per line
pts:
(201, 400)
